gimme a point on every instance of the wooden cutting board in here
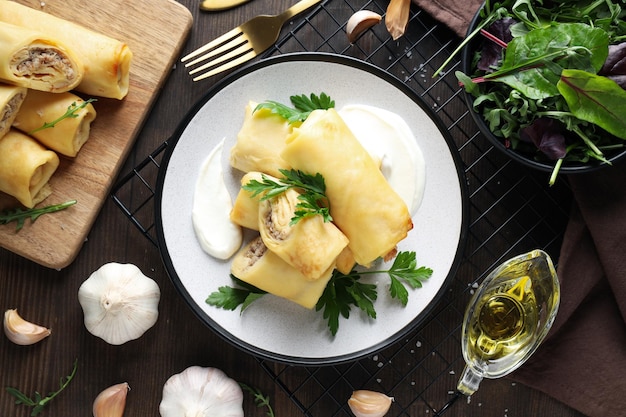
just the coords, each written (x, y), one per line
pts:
(155, 32)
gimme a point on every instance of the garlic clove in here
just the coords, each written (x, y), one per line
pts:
(359, 22)
(364, 403)
(23, 332)
(199, 391)
(111, 401)
(119, 302)
(397, 17)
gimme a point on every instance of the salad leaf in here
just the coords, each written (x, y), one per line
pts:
(596, 99)
(533, 81)
(533, 63)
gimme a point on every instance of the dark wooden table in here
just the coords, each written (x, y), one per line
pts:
(178, 339)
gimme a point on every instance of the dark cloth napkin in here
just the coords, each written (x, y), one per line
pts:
(582, 362)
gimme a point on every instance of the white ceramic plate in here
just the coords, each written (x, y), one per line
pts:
(274, 328)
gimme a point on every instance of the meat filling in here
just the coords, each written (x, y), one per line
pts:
(255, 251)
(44, 64)
(10, 110)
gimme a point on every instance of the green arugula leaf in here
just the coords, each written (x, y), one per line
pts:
(260, 399)
(313, 200)
(38, 402)
(20, 215)
(303, 106)
(71, 112)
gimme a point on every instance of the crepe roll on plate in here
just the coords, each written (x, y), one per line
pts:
(25, 167)
(32, 59)
(310, 245)
(262, 268)
(260, 141)
(69, 134)
(107, 60)
(362, 203)
(245, 211)
(11, 99)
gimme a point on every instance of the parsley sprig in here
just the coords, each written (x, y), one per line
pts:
(346, 290)
(312, 199)
(71, 112)
(302, 106)
(20, 215)
(38, 402)
(342, 291)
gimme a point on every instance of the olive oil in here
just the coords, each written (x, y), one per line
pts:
(508, 317)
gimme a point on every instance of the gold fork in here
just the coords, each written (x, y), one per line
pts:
(242, 43)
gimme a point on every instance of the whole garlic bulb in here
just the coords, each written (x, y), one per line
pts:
(119, 302)
(201, 392)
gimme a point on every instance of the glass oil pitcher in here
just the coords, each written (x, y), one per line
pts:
(508, 317)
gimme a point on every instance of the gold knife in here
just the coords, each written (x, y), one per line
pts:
(217, 5)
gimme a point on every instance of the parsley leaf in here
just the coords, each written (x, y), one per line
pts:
(313, 199)
(342, 292)
(19, 215)
(229, 298)
(303, 106)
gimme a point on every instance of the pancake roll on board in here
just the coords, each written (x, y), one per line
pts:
(25, 168)
(106, 60)
(69, 134)
(37, 60)
(11, 99)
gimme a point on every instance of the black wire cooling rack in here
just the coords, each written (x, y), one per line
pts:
(512, 211)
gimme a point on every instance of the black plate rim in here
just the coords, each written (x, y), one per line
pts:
(162, 244)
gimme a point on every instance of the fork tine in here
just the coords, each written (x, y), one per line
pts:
(214, 43)
(242, 59)
(237, 42)
(226, 57)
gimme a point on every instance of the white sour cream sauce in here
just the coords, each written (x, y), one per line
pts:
(216, 233)
(384, 134)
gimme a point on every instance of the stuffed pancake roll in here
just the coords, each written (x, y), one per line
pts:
(25, 167)
(106, 60)
(69, 134)
(35, 60)
(262, 268)
(245, 211)
(260, 141)
(362, 203)
(310, 245)
(11, 99)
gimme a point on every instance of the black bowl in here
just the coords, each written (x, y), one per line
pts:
(532, 159)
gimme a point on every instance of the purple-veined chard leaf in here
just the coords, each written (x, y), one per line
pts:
(532, 63)
(596, 99)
